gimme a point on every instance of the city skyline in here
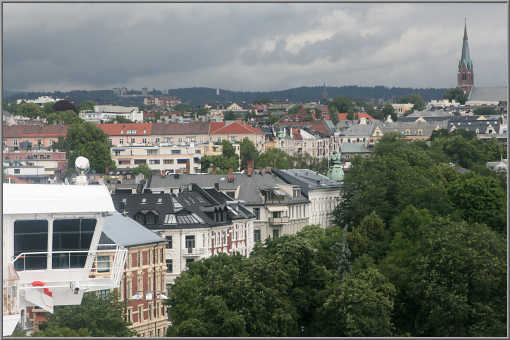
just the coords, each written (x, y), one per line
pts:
(249, 47)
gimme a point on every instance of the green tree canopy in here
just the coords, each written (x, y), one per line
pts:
(142, 169)
(87, 140)
(451, 277)
(86, 105)
(248, 152)
(416, 99)
(95, 316)
(456, 94)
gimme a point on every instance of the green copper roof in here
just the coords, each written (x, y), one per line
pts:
(465, 58)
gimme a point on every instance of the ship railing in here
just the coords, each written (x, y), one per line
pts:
(106, 263)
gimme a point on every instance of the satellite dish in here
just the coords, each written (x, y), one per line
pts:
(82, 164)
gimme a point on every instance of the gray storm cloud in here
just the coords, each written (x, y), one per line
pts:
(248, 46)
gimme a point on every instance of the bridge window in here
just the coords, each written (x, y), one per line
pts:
(72, 235)
(30, 236)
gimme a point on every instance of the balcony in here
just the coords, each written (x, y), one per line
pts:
(279, 220)
(187, 252)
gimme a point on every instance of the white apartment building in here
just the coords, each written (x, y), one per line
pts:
(167, 158)
(109, 112)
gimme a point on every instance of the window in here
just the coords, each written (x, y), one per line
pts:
(103, 264)
(176, 152)
(110, 141)
(162, 255)
(151, 218)
(17, 171)
(149, 259)
(144, 140)
(121, 141)
(157, 139)
(129, 290)
(15, 142)
(151, 152)
(154, 161)
(140, 316)
(139, 262)
(129, 315)
(149, 286)
(256, 235)
(276, 233)
(72, 234)
(30, 236)
(132, 140)
(190, 241)
(168, 242)
(150, 312)
(168, 161)
(169, 266)
(140, 161)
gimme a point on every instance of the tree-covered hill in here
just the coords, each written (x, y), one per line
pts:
(203, 95)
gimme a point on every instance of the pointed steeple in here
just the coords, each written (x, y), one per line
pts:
(465, 58)
(465, 74)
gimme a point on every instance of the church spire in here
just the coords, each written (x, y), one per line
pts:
(465, 74)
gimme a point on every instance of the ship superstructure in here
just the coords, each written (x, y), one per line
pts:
(51, 236)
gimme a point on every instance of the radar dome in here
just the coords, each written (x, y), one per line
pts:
(82, 163)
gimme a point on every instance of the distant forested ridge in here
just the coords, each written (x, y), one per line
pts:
(204, 95)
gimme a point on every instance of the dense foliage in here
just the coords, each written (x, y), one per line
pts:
(47, 111)
(95, 316)
(288, 287)
(87, 140)
(457, 94)
(419, 250)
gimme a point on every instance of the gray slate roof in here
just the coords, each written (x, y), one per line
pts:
(249, 185)
(127, 232)
(359, 130)
(307, 179)
(489, 94)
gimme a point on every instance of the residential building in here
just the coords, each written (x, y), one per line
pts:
(39, 101)
(143, 284)
(279, 207)
(35, 163)
(483, 126)
(180, 133)
(323, 193)
(195, 222)
(235, 132)
(109, 112)
(351, 150)
(124, 134)
(161, 157)
(32, 136)
(401, 109)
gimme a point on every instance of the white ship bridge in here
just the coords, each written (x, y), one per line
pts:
(51, 245)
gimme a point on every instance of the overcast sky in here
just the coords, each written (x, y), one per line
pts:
(249, 46)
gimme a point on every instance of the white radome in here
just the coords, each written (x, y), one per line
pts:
(82, 163)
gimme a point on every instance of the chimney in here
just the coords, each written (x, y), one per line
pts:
(188, 167)
(217, 186)
(230, 175)
(251, 165)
